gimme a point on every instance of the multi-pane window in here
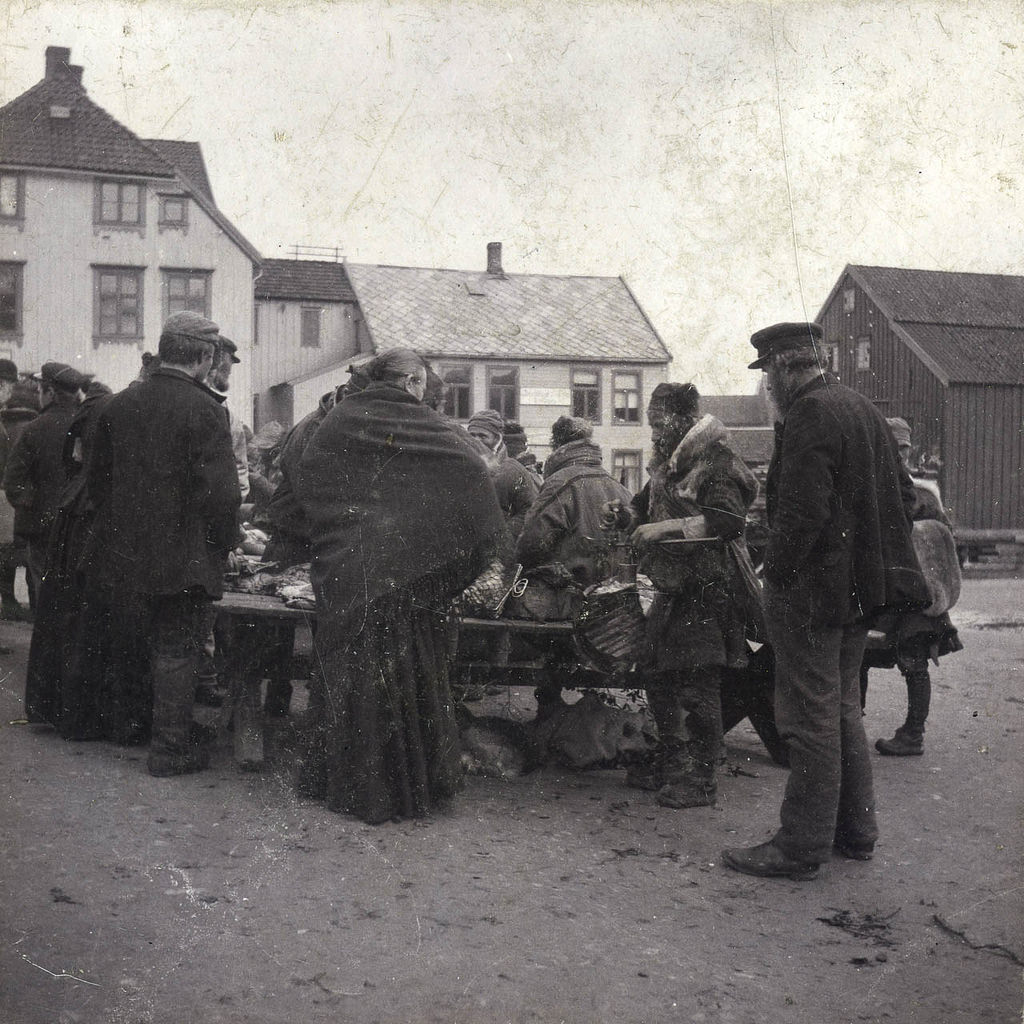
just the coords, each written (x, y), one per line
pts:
(503, 391)
(310, 326)
(120, 203)
(186, 290)
(12, 196)
(174, 211)
(830, 356)
(626, 469)
(10, 298)
(458, 391)
(586, 395)
(118, 303)
(626, 397)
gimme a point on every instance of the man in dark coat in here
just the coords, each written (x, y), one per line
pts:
(513, 483)
(839, 554)
(166, 492)
(12, 420)
(34, 476)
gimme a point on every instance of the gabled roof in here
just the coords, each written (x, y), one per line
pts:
(187, 158)
(468, 314)
(89, 140)
(310, 280)
(969, 328)
(752, 444)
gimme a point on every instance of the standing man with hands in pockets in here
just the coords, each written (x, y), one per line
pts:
(839, 552)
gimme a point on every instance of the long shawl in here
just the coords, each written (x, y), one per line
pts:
(394, 495)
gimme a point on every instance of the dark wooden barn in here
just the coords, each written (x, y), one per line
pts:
(946, 352)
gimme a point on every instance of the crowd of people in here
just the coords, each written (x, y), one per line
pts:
(125, 511)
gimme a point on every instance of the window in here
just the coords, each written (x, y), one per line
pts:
(503, 391)
(173, 211)
(830, 356)
(586, 395)
(310, 326)
(186, 290)
(12, 196)
(626, 469)
(458, 391)
(849, 300)
(626, 397)
(118, 303)
(864, 353)
(120, 203)
(10, 298)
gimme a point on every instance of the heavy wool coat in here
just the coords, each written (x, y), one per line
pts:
(839, 504)
(162, 478)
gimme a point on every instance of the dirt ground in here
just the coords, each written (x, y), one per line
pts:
(557, 896)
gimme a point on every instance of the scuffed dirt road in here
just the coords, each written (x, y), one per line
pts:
(558, 896)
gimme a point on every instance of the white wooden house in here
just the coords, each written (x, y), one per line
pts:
(104, 234)
(532, 346)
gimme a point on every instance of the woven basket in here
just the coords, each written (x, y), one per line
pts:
(610, 629)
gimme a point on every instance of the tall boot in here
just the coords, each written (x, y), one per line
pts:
(667, 713)
(691, 774)
(173, 750)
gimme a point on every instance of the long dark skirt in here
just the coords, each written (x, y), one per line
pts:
(383, 741)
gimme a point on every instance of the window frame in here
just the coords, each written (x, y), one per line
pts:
(862, 355)
(189, 273)
(493, 371)
(304, 316)
(18, 216)
(15, 332)
(639, 467)
(450, 407)
(596, 391)
(139, 274)
(121, 183)
(162, 219)
(615, 421)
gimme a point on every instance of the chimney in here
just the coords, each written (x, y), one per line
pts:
(57, 60)
(75, 70)
(494, 259)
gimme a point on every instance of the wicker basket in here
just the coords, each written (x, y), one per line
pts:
(611, 627)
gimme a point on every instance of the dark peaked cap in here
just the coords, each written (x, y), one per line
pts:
(782, 338)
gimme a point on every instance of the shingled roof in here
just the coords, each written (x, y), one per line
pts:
(187, 159)
(469, 314)
(969, 326)
(304, 280)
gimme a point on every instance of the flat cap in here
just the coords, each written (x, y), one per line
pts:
(229, 346)
(8, 371)
(61, 375)
(192, 325)
(783, 338)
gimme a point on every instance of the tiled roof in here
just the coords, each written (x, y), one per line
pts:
(89, 140)
(515, 316)
(942, 297)
(752, 444)
(186, 157)
(736, 410)
(313, 280)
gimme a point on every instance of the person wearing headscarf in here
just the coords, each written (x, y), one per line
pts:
(914, 637)
(514, 485)
(699, 488)
(402, 516)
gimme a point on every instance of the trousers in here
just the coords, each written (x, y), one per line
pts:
(829, 794)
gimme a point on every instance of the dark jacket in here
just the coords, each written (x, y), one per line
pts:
(839, 504)
(34, 476)
(564, 522)
(163, 481)
(516, 489)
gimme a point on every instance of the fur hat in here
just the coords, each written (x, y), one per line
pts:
(8, 371)
(676, 399)
(570, 428)
(515, 438)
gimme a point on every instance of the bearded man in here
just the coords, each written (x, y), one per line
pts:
(839, 553)
(696, 500)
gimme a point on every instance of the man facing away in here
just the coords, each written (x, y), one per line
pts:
(166, 492)
(839, 553)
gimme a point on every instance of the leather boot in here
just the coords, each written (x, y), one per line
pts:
(173, 747)
(648, 773)
(685, 780)
(903, 744)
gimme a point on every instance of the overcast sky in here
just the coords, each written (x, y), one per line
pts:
(727, 159)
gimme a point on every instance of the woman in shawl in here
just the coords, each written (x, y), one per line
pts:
(402, 517)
